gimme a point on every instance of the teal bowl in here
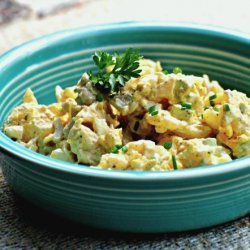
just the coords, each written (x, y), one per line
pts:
(125, 201)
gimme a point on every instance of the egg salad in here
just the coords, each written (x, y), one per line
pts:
(133, 115)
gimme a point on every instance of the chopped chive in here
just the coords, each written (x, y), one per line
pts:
(202, 117)
(186, 105)
(152, 110)
(165, 72)
(124, 149)
(216, 109)
(114, 150)
(154, 113)
(206, 108)
(118, 146)
(136, 126)
(174, 162)
(167, 145)
(212, 103)
(226, 107)
(177, 70)
(212, 97)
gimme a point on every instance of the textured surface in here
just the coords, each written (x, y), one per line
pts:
(24, 226)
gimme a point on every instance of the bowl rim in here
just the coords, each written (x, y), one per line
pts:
(14, 149)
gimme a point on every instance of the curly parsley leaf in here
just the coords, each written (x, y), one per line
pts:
(125, 66)
(102, 60)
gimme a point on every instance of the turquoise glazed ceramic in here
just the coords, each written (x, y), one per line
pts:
(126, 201)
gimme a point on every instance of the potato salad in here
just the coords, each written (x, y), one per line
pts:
(133, 115)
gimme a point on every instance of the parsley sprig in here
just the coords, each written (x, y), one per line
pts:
(125, 66)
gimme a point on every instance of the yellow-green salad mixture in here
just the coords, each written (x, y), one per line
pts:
(133, 115)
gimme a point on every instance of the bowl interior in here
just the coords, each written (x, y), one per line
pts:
(61, 58)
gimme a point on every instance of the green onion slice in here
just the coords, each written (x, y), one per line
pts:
(177, 70)
(186, 105)
(116, 148)
(167, 145)
(212, 103)
(124, 149)
(174, 162)
(212, 97)
(152, 110)
(226, 107)
(154, 113)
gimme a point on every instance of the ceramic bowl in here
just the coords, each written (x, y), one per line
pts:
(125, 201)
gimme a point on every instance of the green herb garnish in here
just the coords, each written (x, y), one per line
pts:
(165, 72)
(99, 97)
(152, 110)
(226, 107)
(167, 145)
(174, 162)
(125, 66)
(115, 149)
(177, 70)
(212, 97)
(216, 109)
(212, 103)
(155, 113)
(186, 105)
(124, 149)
